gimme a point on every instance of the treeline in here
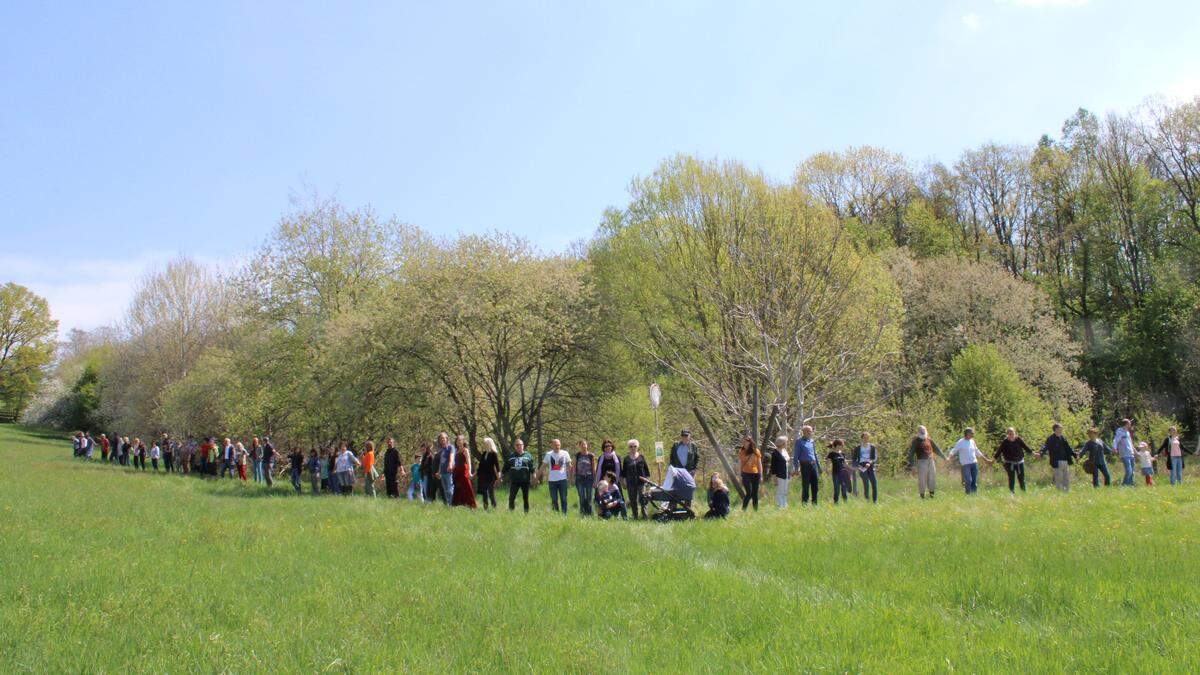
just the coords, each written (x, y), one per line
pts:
(1017, 286)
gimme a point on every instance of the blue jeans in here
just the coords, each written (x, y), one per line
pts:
(558, 494)
(970, 476)
(258, 472)
(585, 489)
(447, 486)
(1127, 463)
(1176, 470)
(296, 480)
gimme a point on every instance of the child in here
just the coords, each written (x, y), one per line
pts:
(1146, 462)
(416, 486)
(608, 496)
(840, 470)
(718, 497)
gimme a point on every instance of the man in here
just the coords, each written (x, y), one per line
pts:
(1062, 456)
(633, 470)
(445, 467)
(296, 460)
(921, 454)
(168, 452)
(517, 469)
(89, 445)
(206, 447)
(1123, 444)
(268, 461)
(683, 452)
(227, 459)
(968, 455)
(557, 465)
(391, 469)
(779, 471)
(804, 461)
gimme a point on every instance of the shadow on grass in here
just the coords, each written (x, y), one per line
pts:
(40, 432)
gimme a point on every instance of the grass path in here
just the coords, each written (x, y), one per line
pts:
(108, 570)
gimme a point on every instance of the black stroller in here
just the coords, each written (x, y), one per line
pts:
(668, 505)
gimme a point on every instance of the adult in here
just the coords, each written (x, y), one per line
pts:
(186, 452)
(609, 462)
(126, 447)
(331, 464)
(684, 454)
(392, 469)
(368, 466)
(241, 457)
(556, 464)
(268, 461)
(1012, 451)
(155, 454)
(1062, 456)
(633, 470)
(429, 467)
(718, 497)
(518, 468)
(296, 460)
(256, 459)
(444, 473)
(584, 469)
(314, 471)
(750, 461)
(488, 473)
(227, 454)
(104, 446)
(968, 455)
(779, 471)
(804, 462)
(1096, 453)
(1172, 448)
(921, 452)
(1123, 444)
(139, 458)
(168, 452)
(464, 492)
(344, 469)
(864, 459)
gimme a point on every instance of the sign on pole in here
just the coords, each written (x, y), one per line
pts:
(655, 395)
(659, 453)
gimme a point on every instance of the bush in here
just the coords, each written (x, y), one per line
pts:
(983, 390)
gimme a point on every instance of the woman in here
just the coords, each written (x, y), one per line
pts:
(1012, 451)
(1172, 449)
(488, 474)
(368, 465)
(139, 458)
(718, 497)
(464, 492)
(256, 459)
(428, 469)
(608, 462)
(125, 448)
(155, 453)
(921, 453)
(241, 457)
(314, 471)
(331, 463)
(1095, 454)
(751, 461)
(633, 470)
(585, 477)
(778, 468)
(864, 459)
(344, 469)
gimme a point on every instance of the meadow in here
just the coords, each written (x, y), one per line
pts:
(110, 570)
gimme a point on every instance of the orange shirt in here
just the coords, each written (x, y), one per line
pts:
(751, 461)
(368, 461)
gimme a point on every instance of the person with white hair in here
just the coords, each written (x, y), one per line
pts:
(487, 474)
(633, 470)
(921, 452)
(778, 468)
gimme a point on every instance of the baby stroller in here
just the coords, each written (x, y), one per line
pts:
(668, 505)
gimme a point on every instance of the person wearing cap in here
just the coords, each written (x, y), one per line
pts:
(683, 452)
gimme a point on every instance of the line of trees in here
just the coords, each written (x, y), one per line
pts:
(1020, 284)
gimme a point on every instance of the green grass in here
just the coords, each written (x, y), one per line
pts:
(109, 570)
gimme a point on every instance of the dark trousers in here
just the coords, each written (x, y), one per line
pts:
(635, 502)
(1101, 468)
(169, 462)
(226, 465)
(841, 486)
(391, 484)
(154, 464)
(296, 480)
(141, 462)
(268, 473)
(433, 488)
(585, 490)
(810, 480)
(1016, 474)
(870, 485)
(523, 486)
(485, 489)
(750, 482)
(558, 495)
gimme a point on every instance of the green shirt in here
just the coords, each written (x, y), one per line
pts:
(519, 468)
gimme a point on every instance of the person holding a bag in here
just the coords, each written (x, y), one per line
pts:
(1095, 460)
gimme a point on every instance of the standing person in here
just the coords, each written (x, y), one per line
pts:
(331, 468)
(779, 471)
(584, 469)
(1012, 451)
(241, 457)
(488, 473)
(155, 454)
(839, 470)
(1123, 444)
(429, 479)
(187, 453)
(464, 492)
(256, 459)
(168, 450)
(557, 464)
(296, 459)
(609, 462)
(268, 461)
(921, 452)
(1062, 456)
(314, 471)
(750, 459)
(968, 455)
(126, 448)
(323, 466)
(684, 453)
(1146, 462)
(1096, 453)
(804, 462)
(1172, 449)
(104, 446)
(392, 470)
(445, 467)
(368, 466)
(864, 459)
(227, 458)
(633, 470)
(518, 468)
(417, 477)
(344, 468)
(140, 456)
(718, 497)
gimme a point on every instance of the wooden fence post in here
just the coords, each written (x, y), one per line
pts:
(737, 484)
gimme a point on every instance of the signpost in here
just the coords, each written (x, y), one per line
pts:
(655, 400)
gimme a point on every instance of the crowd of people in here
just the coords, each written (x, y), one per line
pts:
(612, 486)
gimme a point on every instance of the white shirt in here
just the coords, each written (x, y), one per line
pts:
(966, 450)
(558, 462)
(344, 462)
(154, 452)
(1122, 443)
(1144, 459)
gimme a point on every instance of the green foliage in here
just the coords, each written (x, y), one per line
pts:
(928, 235)
(26, 345)
(984, 391)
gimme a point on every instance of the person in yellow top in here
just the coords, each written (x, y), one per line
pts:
(752, 470)
(368, 466)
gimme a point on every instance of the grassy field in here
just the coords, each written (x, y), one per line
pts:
(108, 570)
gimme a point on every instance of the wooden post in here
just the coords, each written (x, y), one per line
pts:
(771, 431)
(754, 419)
(720, 454)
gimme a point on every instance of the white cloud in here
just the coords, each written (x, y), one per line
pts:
(972, 22)
(1184, 89)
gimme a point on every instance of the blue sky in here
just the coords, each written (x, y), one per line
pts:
(131, 132)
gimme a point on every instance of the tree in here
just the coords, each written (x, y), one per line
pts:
(983, 390)
(996, 189)
(26, 344)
